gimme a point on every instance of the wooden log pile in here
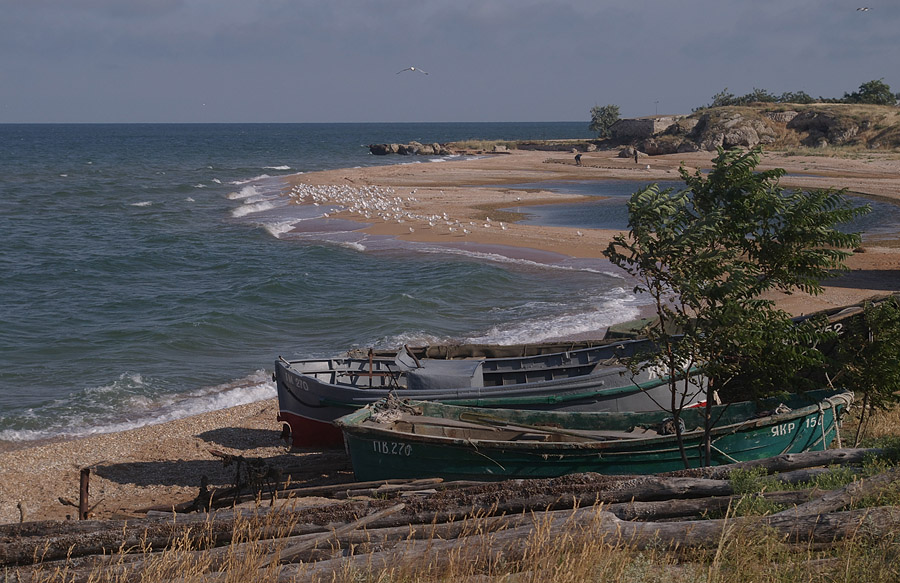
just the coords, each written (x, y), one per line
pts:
(389, 524)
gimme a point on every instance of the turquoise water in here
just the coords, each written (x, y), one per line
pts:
(148, 274)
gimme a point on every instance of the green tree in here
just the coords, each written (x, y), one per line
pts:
(602, 118)
(876, 92)
(795, 97)
(867, 355)
(758, 96)
(723, 98)
(708, 253)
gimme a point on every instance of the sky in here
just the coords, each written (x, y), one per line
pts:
(488, 60)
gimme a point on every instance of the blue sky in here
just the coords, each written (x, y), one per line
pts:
(488, 60)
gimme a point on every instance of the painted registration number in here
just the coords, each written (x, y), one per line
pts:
(391, 448)
(783, 429)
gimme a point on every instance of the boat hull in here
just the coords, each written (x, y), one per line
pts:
(313, 393)
(459, 453)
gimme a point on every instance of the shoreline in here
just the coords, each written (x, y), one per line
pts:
(163, 463)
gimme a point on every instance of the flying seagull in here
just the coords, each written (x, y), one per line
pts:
(864, 9)
(412, 69)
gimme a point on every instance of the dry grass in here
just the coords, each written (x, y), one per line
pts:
(546, 557)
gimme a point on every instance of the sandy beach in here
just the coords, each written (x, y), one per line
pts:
(163, 464)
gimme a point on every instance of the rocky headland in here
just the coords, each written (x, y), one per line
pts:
(774, 126)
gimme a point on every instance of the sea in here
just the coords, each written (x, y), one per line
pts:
(150, 272)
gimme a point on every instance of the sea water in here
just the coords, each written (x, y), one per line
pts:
(146, 272)
(150, 272)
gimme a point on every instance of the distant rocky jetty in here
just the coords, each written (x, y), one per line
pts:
(410, 149)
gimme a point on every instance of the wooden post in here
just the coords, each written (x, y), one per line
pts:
(83, 494)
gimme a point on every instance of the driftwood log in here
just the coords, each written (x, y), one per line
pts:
(593, 528)
(786, 462)
(322, 533)
(226, 497)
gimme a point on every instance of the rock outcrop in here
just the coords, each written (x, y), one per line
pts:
(813, 125)
(731, 129)
(773, 125)
(822, 128)
(411, 149)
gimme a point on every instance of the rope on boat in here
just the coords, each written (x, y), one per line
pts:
(390, 409)
(723, 454)
(845, 399)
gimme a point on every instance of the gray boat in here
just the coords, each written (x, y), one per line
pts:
(313, 393)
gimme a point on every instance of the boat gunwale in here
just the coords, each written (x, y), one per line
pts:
(537, 386)
(353, 424)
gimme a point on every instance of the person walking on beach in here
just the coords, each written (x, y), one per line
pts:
(635, 156)
(578, 159)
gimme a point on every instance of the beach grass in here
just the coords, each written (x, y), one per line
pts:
(546, 556)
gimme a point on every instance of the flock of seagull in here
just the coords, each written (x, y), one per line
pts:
(376, 202)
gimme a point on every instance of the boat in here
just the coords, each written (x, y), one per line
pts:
(312, 393)
(836, 320)
(425, 439)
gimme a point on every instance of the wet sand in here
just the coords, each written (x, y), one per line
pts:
(163, 464)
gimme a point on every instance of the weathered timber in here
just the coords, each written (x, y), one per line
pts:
(842, 497)
(805, 475)
(83, 494)
(430, 526)
(589, 527)
(786, 462)
(225, 497)
(489, 539)
(387, 490)
(292, 552)
(19, 543)
(52, 540)
(427, 527)
(696, 507)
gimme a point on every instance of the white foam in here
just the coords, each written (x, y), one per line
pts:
(559, 326)
(142, 203)
(278, 229)
(249, 180)
(409, 338)
(248, 209)
(245, 192)
(276, 167)
(200, 186)
(498, 258)
(356, 246)
(255, 387)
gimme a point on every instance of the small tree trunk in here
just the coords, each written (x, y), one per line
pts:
(707, 424)
(83, 497)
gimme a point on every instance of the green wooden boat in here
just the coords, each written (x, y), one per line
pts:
(419, 439)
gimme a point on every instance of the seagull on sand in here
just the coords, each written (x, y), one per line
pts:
(412, 69)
